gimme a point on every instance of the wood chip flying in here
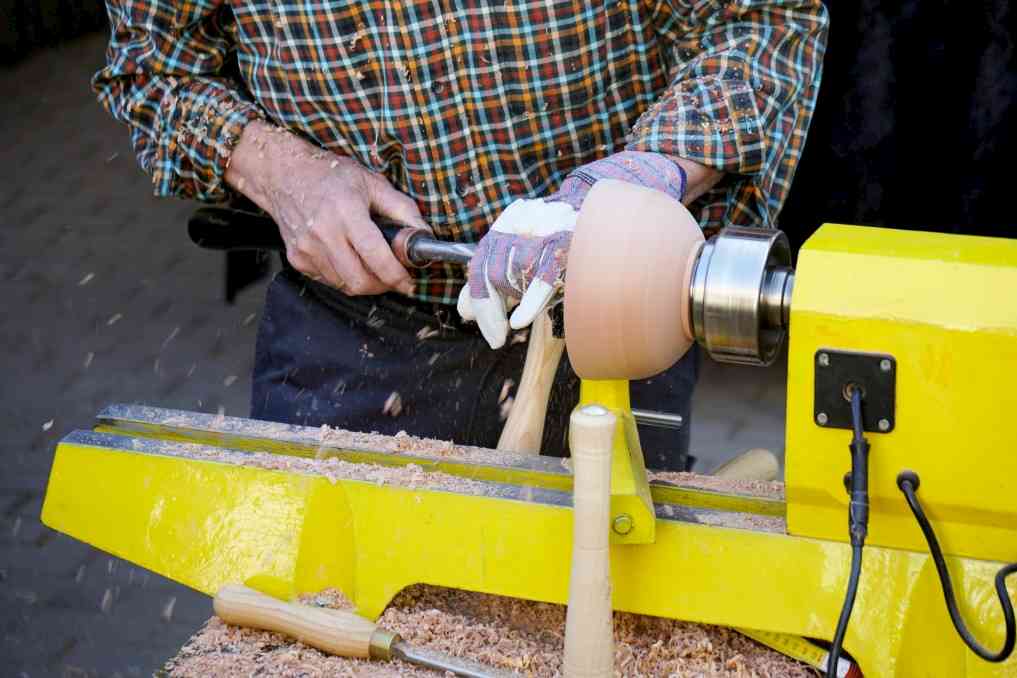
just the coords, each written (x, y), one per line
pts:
(426, 332)
(507, 633)
(393, 404)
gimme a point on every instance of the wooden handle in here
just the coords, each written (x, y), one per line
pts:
(333, 631)
(755, 464)
(525, 426)
(589, 636)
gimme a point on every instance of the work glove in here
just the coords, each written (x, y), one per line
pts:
(523, 257)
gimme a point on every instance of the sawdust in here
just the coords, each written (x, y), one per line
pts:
(403, 443)
(767, 489)
(506, 633)
(737, 519)
(327, 437)
(409, 476)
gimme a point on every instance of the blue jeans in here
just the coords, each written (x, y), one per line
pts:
(325, 358)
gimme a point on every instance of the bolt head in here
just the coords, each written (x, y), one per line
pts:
(622, 524)
(821, 418)
(824, 359)
(883, 424)
(885, 365)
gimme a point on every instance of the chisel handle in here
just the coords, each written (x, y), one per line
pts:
(225, 228)
(334, 631)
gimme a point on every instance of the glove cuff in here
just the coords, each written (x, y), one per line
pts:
(652, 170)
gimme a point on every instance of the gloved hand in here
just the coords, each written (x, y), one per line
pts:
(524, 255)
(521, 258)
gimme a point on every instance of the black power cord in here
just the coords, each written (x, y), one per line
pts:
(858, 522)
(907, 481)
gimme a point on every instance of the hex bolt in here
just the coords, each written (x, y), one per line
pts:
(623, 524)
(885, 365)
(884, 425)
(824, 359)
(821, 418)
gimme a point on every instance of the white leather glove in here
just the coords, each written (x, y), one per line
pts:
(521, 259)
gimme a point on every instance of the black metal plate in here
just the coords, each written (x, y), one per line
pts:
(875, 373)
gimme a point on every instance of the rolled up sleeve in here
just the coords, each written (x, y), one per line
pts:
(743, 86)
(164, 79)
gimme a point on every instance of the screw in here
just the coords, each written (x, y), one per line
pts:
(824, 359)
(821, 418)
(885, 365)
(884, 425)
(623, 524)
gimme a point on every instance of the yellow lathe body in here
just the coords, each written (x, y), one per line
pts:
(942, 306)
(946, 308)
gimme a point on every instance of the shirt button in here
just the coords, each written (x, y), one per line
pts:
(437, 87)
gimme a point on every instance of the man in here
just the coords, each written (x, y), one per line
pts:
(441, 114)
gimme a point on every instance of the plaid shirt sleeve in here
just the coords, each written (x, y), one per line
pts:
(163, 79)
(743, 85)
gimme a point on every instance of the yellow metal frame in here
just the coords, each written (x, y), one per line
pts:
(126, 490)
(632, 517)
(945, 307)
(934, 302)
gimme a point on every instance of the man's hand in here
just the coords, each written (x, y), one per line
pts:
(323, 205)
(522, 257)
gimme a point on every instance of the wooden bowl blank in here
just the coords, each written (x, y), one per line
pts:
(627, 284)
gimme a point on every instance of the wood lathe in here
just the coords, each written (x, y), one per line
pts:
(900, 344)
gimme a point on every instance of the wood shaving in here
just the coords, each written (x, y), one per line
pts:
(502, 632)
(393, 404)
(426, 332)
(768, 489)
(409, 476)
(506, 388)
(328, 440)
(505, 409)
(520, 337)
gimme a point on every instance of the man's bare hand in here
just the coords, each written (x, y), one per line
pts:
(323, 205)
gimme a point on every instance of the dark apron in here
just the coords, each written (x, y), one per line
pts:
(325, 358)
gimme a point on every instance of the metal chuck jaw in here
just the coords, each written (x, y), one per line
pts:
(740, 295)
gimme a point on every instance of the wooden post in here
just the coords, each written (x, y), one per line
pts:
(524, 428)
(589, 628)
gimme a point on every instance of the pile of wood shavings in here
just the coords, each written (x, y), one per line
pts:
(767, 489)
(404, 443)
(410, 476)
(428, 447)
(506, 633)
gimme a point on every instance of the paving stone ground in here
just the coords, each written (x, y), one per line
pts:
(105, 300)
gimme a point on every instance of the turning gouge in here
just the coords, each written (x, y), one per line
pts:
(337, 632)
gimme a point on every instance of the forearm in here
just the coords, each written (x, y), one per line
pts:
(699, 178)
(262, 151)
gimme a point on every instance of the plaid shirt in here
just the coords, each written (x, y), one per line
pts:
(466, 105)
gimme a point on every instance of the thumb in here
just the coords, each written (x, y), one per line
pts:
(386, 201)
(533, 302)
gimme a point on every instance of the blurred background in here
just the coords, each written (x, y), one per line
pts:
(106, 300)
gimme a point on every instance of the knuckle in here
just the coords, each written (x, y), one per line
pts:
(301, 263)
(355, 285)
(372, 248)
(306, 244)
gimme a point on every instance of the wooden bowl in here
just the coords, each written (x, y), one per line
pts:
(627, 284)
